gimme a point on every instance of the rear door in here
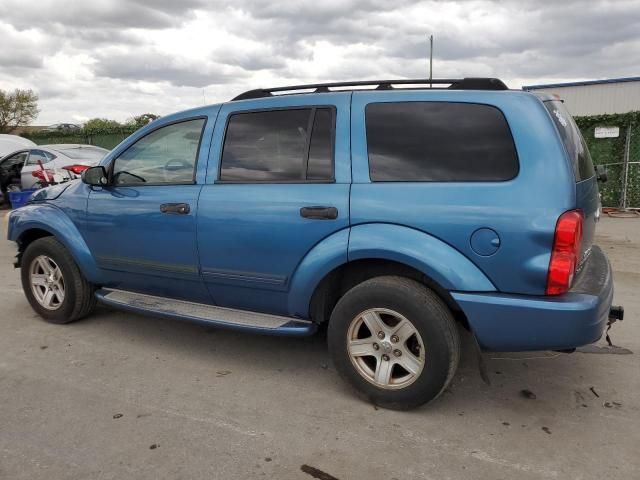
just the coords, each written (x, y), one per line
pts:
(36, 157)
(587, 195)
(277, 185)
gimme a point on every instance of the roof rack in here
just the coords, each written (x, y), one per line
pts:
(471, 83)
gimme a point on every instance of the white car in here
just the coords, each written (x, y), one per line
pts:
(65, 160)
(11, 143)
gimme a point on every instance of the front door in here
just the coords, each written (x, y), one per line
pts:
(142, 228)
(277, 186)
(10, 170)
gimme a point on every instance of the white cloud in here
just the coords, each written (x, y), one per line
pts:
(118, 58)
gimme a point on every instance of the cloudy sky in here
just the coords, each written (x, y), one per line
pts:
(118, 58)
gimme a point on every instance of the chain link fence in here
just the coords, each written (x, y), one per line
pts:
(106, 140)
(621, 156)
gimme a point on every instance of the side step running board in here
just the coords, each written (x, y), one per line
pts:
(207, 314)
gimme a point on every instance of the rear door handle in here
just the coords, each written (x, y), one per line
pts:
(319, 213)
(179, 208)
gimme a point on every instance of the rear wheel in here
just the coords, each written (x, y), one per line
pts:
(53, 283)
(395, 341)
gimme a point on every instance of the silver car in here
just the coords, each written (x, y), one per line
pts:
(66, 160)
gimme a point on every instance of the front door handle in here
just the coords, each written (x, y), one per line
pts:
(319, 213)
(179, 208)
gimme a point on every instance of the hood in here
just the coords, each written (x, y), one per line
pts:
(50, 193)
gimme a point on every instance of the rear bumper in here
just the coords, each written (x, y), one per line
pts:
(503, 322)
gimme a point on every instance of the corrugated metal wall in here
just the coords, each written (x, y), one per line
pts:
(599, 98)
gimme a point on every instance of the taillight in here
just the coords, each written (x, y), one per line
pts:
(77, 169)
(44, 175)
(565, 256)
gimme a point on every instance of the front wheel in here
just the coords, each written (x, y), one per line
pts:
(395, 341)
(53, 283)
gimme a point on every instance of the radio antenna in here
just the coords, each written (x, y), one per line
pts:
(430, 60)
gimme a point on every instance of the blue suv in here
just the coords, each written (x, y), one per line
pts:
(391, 211)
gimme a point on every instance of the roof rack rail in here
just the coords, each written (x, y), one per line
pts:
(472, 83)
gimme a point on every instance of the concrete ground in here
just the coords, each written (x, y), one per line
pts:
(121, 396)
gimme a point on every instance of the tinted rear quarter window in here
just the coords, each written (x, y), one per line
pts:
(439, 142)
(572, 138)
(320, 165)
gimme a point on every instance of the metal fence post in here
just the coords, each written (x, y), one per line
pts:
(625, 168)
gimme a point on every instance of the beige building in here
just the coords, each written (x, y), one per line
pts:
(595, 97)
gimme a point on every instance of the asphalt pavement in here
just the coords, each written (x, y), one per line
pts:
(122, 396)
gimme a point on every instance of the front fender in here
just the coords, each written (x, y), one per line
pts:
(47, 217)
(439, 261)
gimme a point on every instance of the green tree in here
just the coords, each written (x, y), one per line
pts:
(17, 108)
(101, 125)
(140, 121)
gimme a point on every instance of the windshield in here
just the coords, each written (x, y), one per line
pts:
(572, 139)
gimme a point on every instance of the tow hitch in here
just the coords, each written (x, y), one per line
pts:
(616, 312)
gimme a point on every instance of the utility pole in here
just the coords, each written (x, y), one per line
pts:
(430, 60)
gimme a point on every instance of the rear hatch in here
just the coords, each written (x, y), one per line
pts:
(587, 195)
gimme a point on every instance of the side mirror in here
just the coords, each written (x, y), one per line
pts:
(95, 176)
(601, 173)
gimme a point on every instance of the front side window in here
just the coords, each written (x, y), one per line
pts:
(39, 156)
(439, 142)
(167, 155)
(279, 145)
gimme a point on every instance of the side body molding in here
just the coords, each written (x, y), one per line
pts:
(441, 262)
(52, 219)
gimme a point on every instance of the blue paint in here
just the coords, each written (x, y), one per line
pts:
(439, 261)
(158, 254)
(324, 257)
(485, 242)
(246, 246)
(503, 322)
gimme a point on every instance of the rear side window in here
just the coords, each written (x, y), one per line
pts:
(572, 138)
(39, 156)
(294, 145)
(439, 142)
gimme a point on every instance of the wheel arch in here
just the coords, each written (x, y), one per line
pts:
(343, 278)
(368, 250)
(31, 235)
(32, 222)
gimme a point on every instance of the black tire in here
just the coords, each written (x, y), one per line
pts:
(79, 300)
(431, 319)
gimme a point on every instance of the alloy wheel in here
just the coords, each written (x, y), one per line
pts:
(47, 282)
(385, 348)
